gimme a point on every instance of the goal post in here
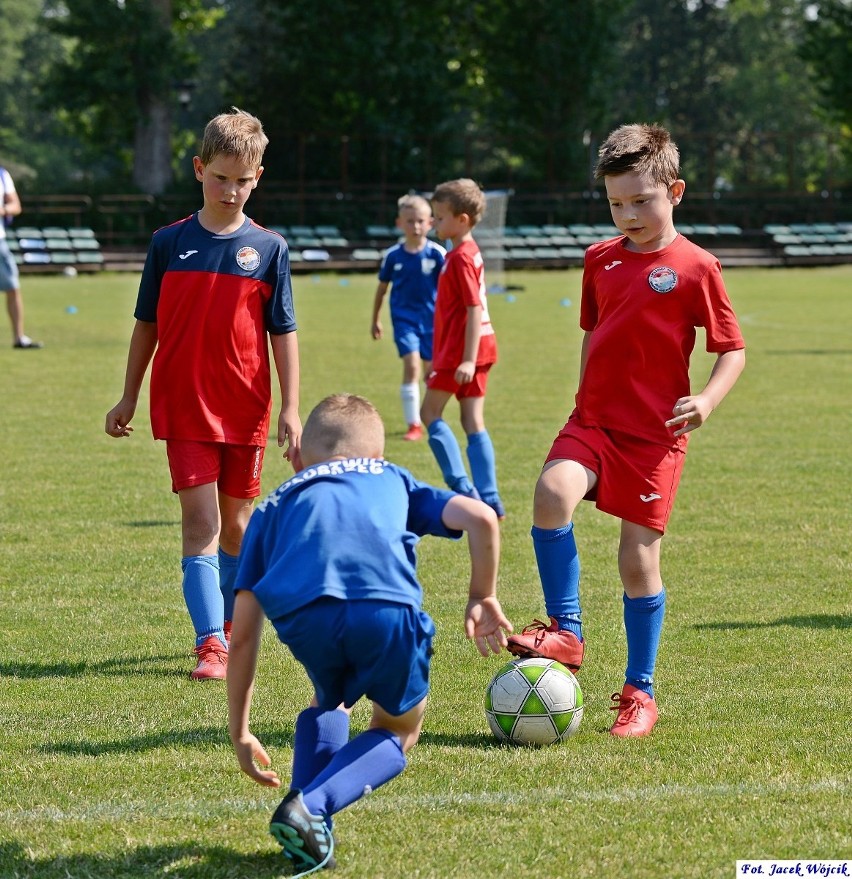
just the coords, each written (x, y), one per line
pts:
(489, 233)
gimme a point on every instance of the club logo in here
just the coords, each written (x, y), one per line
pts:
(248, 259)
(663, 279)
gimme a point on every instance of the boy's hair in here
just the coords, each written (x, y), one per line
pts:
(343, 425)
(463, 196)
(237, 134)
(412, 201)
(643, 149)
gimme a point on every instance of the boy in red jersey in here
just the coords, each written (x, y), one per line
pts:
(214, 285)
(464, 347)
(624, 445)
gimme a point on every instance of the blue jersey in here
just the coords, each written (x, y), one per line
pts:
(414, 280)
(345, 529)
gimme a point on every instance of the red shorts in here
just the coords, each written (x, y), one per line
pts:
(445, 380)
(234, 469)
(637, 479)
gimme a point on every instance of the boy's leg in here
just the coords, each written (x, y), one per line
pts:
(319, 735)
(483, 469)
(370, 760)
(409, 393)
(201, 590)
(560, 488)
(644, 612)
(443, 442)
(235, 514)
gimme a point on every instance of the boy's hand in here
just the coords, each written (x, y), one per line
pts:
(290, 434)
(465, 372)
(249, 750)
(689, 413)
(486, 624)
(118, 419)
(376, 329)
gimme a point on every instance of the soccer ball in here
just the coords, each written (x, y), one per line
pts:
(534, 701)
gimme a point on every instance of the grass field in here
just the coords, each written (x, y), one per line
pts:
(113, 764)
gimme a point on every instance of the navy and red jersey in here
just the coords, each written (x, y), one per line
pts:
(461, 284)
(214, 298)
(642, 310)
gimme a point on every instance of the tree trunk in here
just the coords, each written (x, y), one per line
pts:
(152, 153)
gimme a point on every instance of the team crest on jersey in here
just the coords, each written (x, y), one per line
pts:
(663, 279)
(248, 259)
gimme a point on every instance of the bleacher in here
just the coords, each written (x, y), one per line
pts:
(55, 248)
(812, 243)
(326, 247)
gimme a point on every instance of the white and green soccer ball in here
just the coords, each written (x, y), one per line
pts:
(534, 701)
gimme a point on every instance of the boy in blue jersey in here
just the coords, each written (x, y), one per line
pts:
(329, 558)
(214, 296)
(412, 268)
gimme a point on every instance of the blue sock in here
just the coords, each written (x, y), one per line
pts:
(445, 448)
(643, 623)
(227, 574)
(559, 570)
(483, 469)
(370, 760)
(203, 596)
(319, 735)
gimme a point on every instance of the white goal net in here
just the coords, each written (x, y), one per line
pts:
(489, 234)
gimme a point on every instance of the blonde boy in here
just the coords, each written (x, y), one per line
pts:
(411, 268)
(214, 287)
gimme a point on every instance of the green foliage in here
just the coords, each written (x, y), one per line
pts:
(113, 765)
(828, 48)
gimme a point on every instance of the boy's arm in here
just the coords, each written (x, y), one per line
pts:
(472, 331)
(376, 326)
(242, 662)
(143, 342)
(285, 353)
(692, 411)
(485, 622)
(11, 203)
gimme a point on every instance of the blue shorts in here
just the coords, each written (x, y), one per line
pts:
(351, 649)
(9, 279)
(412, 335)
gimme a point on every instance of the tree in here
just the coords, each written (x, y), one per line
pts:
(117, 84)
(827, 47)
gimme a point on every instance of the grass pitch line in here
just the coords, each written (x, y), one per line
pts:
(392, 803)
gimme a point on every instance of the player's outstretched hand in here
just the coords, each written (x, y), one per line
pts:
(250, 752)
(486, 625)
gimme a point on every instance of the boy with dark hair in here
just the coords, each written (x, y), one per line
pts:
(465, 347)
(624, 445)
(214, 286)
(329, 558)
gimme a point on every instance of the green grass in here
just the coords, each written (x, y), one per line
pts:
(113, 764)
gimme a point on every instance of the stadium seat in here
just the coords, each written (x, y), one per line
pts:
(316, 254)
(366, 254)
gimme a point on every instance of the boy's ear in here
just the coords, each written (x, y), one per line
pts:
(676, 191)
(198, 167)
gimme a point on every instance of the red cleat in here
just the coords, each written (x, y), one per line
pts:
(637, 713)
(550, 642)
(227, 630)
(212, 660)
(414, 433)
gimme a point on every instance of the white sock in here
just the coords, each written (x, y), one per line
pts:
(410, 396)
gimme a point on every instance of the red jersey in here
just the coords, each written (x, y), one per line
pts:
(214, 298)
(461, 284)
(642, 310)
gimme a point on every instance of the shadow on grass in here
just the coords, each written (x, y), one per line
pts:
(118, 665)
(806, 621)
(173, 738)
(185, 861)
(153, 523)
